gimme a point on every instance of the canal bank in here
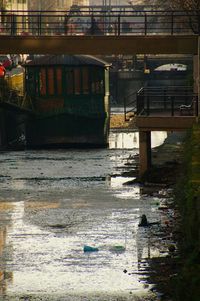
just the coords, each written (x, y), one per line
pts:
(187, 196)
(175, 172)
(161, 182)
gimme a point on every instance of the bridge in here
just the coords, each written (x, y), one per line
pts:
(116, 31)
(161, 109)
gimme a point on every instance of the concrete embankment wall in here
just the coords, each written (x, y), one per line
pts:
(188, 198)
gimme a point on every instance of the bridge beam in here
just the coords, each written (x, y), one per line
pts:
(94, 45)
(164, 123)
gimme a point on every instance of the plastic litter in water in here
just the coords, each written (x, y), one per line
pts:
(90, 249)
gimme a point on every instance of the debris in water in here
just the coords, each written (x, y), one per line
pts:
(90, 249)
(143, 222)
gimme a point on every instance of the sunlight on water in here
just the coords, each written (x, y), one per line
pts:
(55, 202)
(128, 140)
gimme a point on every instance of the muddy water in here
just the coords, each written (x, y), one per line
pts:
(53, 203)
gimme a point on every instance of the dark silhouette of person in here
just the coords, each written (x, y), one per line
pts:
(143, 222)
(94, 29)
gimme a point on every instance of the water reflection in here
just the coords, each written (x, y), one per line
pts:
(6, 276)
(55, 202)
(129, 139)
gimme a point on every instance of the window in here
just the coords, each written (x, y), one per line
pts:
(77, 80)
(97, 82)
(51, 86)
(85, 80)
(43, 88)
(59, 80)
(69, 81)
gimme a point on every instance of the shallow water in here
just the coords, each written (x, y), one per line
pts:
(52, 203)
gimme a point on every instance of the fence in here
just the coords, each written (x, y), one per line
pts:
(88, 22)
(169, 101)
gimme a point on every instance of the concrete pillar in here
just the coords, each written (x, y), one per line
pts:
(144, 151)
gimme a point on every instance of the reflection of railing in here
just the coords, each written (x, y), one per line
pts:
(113, 22)
(166, 101)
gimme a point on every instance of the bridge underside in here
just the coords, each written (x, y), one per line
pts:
(94, 45)
(160, 123)
(148, 124)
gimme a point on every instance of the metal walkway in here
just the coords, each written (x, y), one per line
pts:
(86, 31)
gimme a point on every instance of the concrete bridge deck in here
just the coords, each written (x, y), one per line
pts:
(94, 45)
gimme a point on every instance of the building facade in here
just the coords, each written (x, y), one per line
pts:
(19, 16)
(54, 5)
(16, 5)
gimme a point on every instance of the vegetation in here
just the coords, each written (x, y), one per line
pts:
(188, 198)
(191, 8)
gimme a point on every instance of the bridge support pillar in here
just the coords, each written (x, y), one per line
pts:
(144, 151)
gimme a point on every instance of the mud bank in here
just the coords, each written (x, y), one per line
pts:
(176, 172)
(161, 182)
(187, 196)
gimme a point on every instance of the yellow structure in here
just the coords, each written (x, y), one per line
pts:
(16, 82)
(55, 5)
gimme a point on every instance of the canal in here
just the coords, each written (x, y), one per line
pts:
(53, 203)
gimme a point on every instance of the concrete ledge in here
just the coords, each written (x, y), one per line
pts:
(174, 123)
(127, 44)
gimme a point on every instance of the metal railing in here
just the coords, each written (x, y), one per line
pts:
(92, 22)
(169, 101)
(130, 105)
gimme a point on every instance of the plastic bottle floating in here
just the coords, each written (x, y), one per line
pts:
(90, 249)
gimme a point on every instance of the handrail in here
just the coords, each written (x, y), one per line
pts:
(167, 99)
(165, 89)
(86, 22)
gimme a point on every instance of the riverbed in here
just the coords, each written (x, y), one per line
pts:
(54, 203)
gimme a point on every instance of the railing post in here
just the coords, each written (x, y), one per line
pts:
(118, 25)
(196, 106)
(172, 23)
(92, 31)
(165, 99)
(39, 24)
(140, 103)
(125, 109)
(13, 25)
(145, 24)
(172, 105)
(148, 105)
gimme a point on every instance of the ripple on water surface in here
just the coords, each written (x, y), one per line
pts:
(54, 203)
